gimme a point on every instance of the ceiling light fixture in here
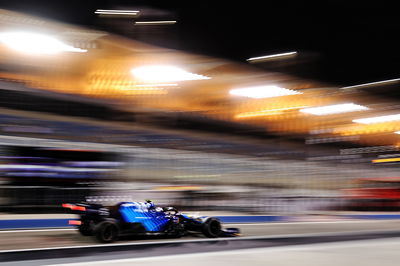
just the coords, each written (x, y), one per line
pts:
(267, 91)
(34, 43)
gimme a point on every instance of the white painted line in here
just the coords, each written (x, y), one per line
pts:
(36, 230)
(335, 233)
(309, 222)
(227, 225)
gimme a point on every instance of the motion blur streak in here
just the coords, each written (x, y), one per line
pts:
(90, 116)
(334, 109)
(267, 91)
(33, 43)
(268, 112)
(387, 160)
(165, 22)
(117, 12)
(378, 119)
(264, 58)
(162, 73)
(372, 84)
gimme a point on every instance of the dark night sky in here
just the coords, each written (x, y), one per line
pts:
(348, 43)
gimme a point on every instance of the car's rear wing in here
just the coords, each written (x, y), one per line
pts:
(74, 207)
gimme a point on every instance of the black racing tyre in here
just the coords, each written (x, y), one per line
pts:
(85, 229)
(211, 228)
(106, 231)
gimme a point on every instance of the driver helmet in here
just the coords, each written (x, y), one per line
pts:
(150, 204)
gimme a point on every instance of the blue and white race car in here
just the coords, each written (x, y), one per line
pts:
(142, 218)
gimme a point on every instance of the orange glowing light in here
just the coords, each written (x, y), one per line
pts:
(74, 222)
(73, 207)
(277, 111)
(386, 160)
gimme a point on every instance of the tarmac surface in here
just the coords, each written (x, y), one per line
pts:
(344, 242)
(382, 252)
(69, 237)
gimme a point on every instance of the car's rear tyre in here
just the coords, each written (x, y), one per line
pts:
(85, 229)
(106, 231)
(211, 228)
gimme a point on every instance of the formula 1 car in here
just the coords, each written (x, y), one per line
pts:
(142, 218)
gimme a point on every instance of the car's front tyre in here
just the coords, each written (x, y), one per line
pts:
(211, 227)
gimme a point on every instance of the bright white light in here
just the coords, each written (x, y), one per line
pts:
(270, 57)
(334, 109)
(34, 43)
(159, 22)
(372, 84)
(378, 119)
(267, 91)
(397, 132)
(117, 12)
(164, 73)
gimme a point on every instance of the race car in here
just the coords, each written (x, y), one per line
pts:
(107, 224)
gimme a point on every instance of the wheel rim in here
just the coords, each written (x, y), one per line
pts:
(215, 227)
(109, 232)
